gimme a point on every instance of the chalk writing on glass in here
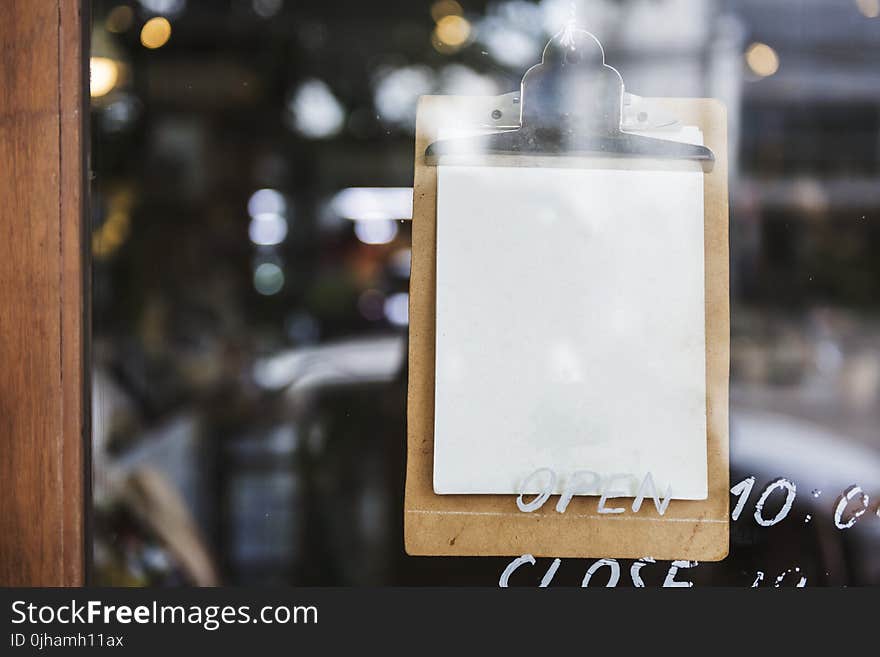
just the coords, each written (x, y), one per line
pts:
(849, 507)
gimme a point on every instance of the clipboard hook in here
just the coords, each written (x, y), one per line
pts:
(571, 104)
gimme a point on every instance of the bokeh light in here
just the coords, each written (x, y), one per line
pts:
(155, 32)
(119, 19)
(315, 112)
(267, 229)
(375, 232)
(268, 278)
(103, 76)
(762, 59)
(164, 7)
(371, 203)
(266, 201)
(451, 33)
(397, 92)
(397, 309)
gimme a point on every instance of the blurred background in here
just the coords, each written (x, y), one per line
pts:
(252, 168)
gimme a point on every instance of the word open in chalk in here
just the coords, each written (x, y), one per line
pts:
(545, 480)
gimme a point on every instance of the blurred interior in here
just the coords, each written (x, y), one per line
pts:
(252, 169)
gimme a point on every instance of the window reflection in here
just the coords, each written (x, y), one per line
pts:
(253, 171)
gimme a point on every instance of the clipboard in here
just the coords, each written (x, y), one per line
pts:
(492, 525)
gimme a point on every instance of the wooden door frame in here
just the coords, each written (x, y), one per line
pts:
(45, 329)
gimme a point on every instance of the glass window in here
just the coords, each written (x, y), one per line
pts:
(253, 166)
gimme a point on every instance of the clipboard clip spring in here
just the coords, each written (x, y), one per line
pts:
(570, 104)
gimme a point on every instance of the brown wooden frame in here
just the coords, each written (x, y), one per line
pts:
(44, 301)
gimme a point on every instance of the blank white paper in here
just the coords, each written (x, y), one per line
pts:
(570, 328)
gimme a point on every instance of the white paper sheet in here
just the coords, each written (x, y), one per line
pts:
(570, 328)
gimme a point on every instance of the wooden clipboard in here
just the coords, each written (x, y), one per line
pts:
(492, 525)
